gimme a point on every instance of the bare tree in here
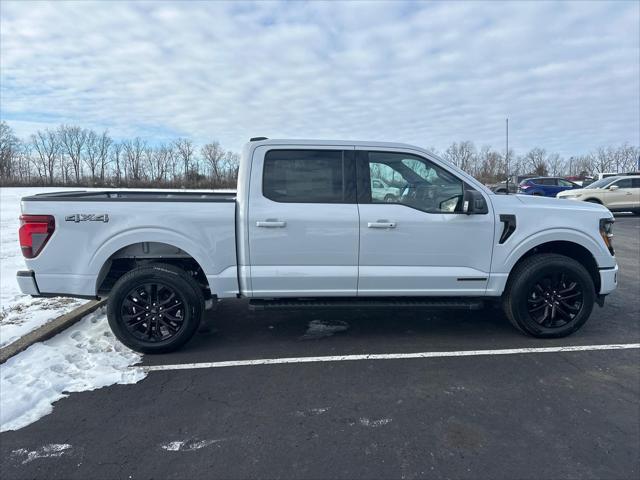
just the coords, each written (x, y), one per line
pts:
(602, 159)
(491, 165)
(556, 164)
(9, 150)
(46, 148)
(536, 161)
(231, 165)
(462, 155)
(104, 145)
(72, 140)
(212, 154)
(134, 150)
(116, 159)
(186, 150)
(91, 157)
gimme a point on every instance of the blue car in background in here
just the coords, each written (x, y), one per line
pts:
(545, 186)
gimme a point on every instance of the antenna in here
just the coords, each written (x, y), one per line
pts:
(506, 156)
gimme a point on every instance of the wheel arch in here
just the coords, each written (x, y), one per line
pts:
(145, 246)
(567, 248)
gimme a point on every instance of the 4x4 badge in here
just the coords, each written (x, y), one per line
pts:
(88, 217)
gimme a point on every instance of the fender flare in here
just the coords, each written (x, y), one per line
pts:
(558, 235)
(146, 234)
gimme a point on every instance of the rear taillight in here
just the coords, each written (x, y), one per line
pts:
(34, 233)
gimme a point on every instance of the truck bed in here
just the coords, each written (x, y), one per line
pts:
(132, 196)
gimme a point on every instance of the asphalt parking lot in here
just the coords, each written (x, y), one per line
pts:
(533, 415)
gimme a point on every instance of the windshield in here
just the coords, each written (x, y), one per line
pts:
(602, 183)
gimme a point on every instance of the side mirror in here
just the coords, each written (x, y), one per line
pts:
(474, 203)
(613, 188)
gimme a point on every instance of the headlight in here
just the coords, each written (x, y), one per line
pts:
(606, 230)
(570, 195)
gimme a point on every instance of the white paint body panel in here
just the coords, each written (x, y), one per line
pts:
(324, 249)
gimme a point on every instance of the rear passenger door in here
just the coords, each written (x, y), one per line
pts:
(303, 222)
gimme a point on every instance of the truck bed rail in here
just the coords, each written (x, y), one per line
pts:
(131, 196)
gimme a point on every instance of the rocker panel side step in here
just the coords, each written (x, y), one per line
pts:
(430, 303)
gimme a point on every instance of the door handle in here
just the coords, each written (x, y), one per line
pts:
(381, 224)
(271, 224)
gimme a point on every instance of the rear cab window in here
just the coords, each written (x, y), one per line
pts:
(309, 176)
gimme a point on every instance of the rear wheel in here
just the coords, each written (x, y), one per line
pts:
(549, 295)
(155, 308)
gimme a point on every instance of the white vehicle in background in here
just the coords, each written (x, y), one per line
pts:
(619, 194)
(381, 191)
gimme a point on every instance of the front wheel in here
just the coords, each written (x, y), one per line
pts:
(155, 308)
(549, 296)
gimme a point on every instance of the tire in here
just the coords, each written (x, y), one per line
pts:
(525, 300)
(389, 198)
(593, 200)
(175, 306)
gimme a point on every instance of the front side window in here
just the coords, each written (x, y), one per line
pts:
(624, 183)
(415, 182)
(304, 176)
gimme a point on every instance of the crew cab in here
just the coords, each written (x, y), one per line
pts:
(303, 230)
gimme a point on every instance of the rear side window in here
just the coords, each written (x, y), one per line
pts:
(546, 181)
(306, 176)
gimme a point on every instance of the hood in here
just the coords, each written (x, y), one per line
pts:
(536, 201)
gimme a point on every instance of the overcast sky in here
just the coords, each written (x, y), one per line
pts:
(566, 74)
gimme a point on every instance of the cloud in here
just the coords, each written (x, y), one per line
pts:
(567, 74)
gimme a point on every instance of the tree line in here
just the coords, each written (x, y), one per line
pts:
(490, 165)
(74, 156)
(70, 155)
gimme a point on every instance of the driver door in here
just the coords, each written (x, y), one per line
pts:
(422, 244)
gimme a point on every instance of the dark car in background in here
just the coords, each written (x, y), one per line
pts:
(546, 186)
(501, 187)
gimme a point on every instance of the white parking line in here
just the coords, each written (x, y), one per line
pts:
(388, 356)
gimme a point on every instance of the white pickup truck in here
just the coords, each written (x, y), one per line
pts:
(303, 230)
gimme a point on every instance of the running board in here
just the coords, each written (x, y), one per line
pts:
(378, 302)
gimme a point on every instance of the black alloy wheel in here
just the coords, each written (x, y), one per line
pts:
(555, 300)
(155, 308)
(153, 312)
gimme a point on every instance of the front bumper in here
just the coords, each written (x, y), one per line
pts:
(608, 280)
(27, 282)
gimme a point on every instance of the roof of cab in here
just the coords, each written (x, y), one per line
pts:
(289, 141)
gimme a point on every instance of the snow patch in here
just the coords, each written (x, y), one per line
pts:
(312, 412)
(324, 328)
(365, 422)
(52, 450)
(188, 445)
(84, 357)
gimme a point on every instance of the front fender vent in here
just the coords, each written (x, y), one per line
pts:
(509, 222)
